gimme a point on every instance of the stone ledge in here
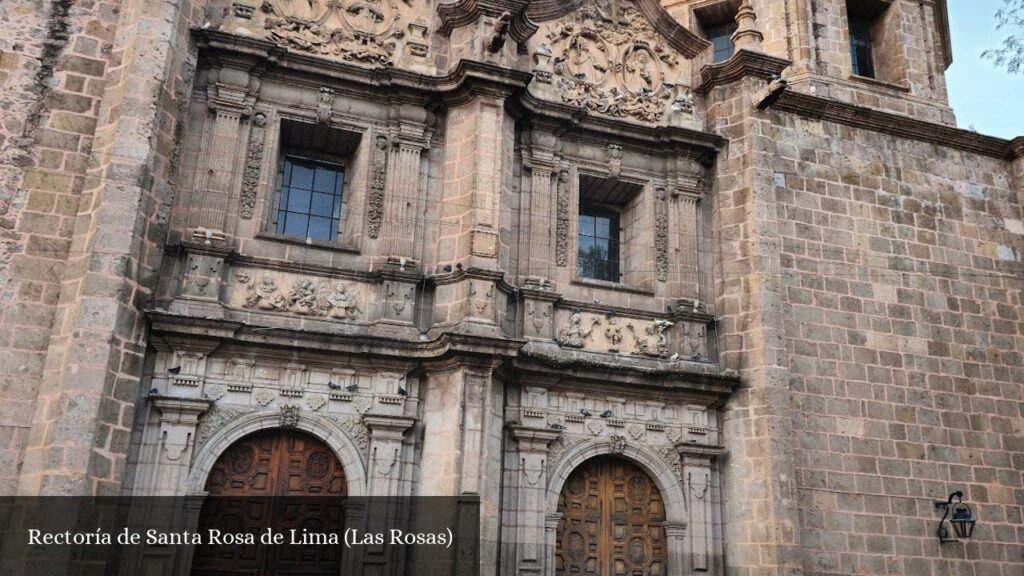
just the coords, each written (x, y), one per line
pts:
(819, 108)
(742, 64)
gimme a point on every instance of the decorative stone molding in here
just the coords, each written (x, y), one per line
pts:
(661, 233)
(253, 166)
(562, 207)
(378, 185)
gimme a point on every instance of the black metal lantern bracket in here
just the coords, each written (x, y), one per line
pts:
(960, 518)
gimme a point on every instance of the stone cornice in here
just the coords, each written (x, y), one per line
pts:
(700, 378)
(559, 117)
(461, 13)
(819, 108)
(742, 64)
(468, 79)
(1017, 147)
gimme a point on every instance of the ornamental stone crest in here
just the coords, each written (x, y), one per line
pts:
(368, 32)
(608, 59)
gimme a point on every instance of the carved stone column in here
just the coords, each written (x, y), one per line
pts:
(387, 434)
(174, 442)
(550, 541)
(537, 228)
(531, 496)
(403, 188)
(675, 540)
(230, 100)
(688, 241)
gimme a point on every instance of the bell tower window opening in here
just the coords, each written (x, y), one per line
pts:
(861, 47)
(721, 42)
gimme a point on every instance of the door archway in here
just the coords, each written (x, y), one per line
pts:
(612, 522)
(268, 479)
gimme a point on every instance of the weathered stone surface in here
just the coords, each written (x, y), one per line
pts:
(820, 278)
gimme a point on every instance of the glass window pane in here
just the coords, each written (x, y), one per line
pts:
(586, 225)
(603, 226)
(298, 200)
(320, 228)
(323, 205)
(587, 268)
(295, 224)
(601, 249)
(586, 247)
(324, 180)
(301, 177)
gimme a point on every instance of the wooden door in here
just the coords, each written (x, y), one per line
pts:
(271, 478)
(612, 522)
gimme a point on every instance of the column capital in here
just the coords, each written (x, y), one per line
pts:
(388, 427)
(533, 439)
(176, 410)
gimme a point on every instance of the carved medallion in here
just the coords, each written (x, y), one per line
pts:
(608, 59)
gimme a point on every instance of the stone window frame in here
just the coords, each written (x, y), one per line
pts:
(632, 244)
(350, 226)
(889, 58)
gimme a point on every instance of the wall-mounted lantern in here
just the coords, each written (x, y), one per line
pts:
(960, 518)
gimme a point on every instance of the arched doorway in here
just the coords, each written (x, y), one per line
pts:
(612, 523)
(268, 479)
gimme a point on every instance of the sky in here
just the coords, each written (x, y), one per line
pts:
(982, 95)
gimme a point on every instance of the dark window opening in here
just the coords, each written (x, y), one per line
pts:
(861, 52)
(598, 243)
(310, 204)
(721, 41)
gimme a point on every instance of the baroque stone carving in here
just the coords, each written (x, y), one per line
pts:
(480, 298)
(613, 332)
(215, 419)
(671, 456)
(289, 416)
(253, 164)
(574, 335)
(378, 183)
(661, 234)
(369, 32)
(263, 396)
(652, 340)
(342, 303)
(539, 317)
(305, 298)
(355, 429)
(264, 295)
(325, 105)
(609, 59)
(562, 223)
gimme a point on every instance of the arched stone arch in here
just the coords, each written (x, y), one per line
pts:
(660, 472)
(322, 428)
(654, 465)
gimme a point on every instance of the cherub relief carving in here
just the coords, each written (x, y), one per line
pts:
(653, 341)
(342, 303)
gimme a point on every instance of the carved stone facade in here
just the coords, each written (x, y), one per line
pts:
(808, 331)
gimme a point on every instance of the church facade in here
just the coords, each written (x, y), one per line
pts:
(679, 287)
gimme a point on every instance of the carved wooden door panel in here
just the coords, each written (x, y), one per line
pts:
(265, 479)
(612, 522)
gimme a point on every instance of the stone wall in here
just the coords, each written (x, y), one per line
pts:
(901, 265)
(98, 150)
(53, 57)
